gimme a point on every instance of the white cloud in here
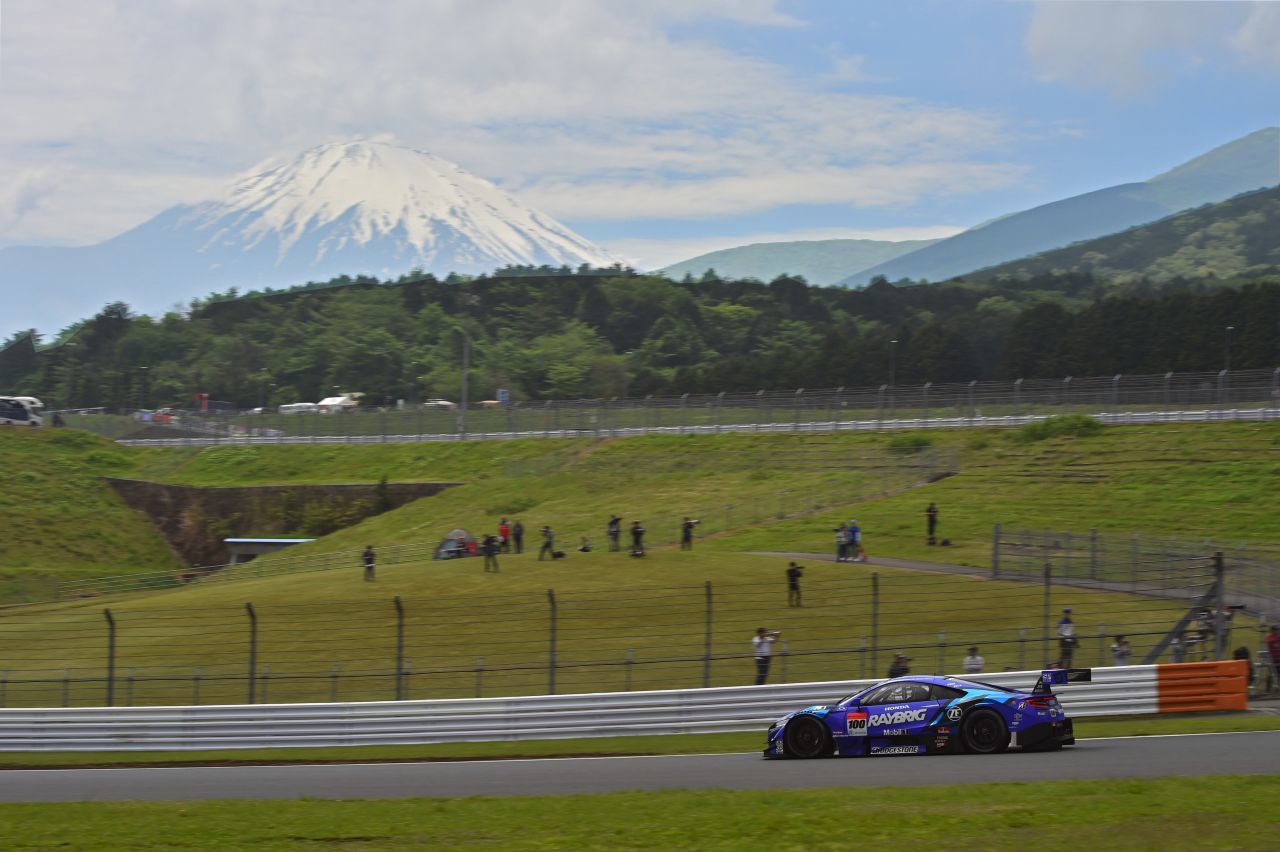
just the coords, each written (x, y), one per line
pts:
(1129, 47)
(133, 105)
(656, 253)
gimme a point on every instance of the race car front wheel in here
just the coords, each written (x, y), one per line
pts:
(807, 736)
(984, 732)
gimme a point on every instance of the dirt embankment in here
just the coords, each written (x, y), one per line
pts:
(195, 520)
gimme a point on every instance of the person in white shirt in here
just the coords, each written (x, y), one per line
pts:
(762, 649)
(1120, 651)
(973, 664)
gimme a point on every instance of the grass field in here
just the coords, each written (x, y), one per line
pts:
(1225, 812)
(470, 633)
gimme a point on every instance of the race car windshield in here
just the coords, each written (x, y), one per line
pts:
(854, 695)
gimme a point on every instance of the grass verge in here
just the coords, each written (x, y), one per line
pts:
(1225, 812)
(684, 744)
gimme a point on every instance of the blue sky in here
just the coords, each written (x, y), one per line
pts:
(659, 129)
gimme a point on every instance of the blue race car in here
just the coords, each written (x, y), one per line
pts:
(929, 714)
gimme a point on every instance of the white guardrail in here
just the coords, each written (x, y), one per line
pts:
(1113, 691)
(1124, 418)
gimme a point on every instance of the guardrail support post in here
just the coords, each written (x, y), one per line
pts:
(253, 652)
(875, 621)
(399, 649)
(551, 650)
(706, 642)
(111, 658)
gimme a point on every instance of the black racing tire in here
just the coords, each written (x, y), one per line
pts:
(984, 731)
(807, 737)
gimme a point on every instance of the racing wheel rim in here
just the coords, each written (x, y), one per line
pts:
(985, 732)
(806, 737)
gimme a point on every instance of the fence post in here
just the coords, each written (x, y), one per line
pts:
(995, 552)
(551, 651)
(253, 652)
(111, 658)
(875, 621)
(706, 644)
(399, 649)
(1048, 584)
(795, 414)
(1093, 554)
(1219, 604)
(719, 412)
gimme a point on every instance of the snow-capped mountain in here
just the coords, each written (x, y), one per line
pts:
(344, 208)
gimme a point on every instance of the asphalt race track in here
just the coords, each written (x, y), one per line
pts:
(1129, 757)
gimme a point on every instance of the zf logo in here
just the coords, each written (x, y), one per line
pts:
(954, 714)
(857, 724)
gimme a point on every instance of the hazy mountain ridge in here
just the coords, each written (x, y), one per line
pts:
(818, 261)
(1249, 163)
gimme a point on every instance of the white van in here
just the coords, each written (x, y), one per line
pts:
(20, 411)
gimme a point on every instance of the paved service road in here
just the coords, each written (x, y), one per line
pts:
(1135, 757)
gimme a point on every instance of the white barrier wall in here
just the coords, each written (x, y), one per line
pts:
(1114, 691)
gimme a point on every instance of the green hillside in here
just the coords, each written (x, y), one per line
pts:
(817, 261)
(640, 622)
(1236, 238)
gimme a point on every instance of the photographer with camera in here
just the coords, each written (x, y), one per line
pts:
(762, 649)
(794, 573)
(686, 533)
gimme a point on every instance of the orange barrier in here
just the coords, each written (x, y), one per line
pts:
(1188, 687)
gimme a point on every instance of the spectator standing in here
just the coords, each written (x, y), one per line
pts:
(1066, 638)
(794, 573)
(491, 548)
(368, 559)
(842, 543)
(614, 531)
(517, 536)
(548, 543)
(686, 533)
(899, 667)
(504, 535)
(1273, 651)
(855, 542)
(762, 649)
(637, 538)
(973, 664)
(931, 521)
(1120, 651)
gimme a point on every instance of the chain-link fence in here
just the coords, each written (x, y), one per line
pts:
(800, 409)
(850, 623)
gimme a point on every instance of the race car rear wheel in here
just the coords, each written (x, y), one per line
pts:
(984, 732)
(807, 736)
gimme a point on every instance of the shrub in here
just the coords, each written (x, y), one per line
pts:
(1070, 425)
(912, 442)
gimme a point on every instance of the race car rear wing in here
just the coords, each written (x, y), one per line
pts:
(1056, 677)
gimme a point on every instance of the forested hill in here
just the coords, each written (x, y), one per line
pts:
(603, 335)
(1237, 237)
